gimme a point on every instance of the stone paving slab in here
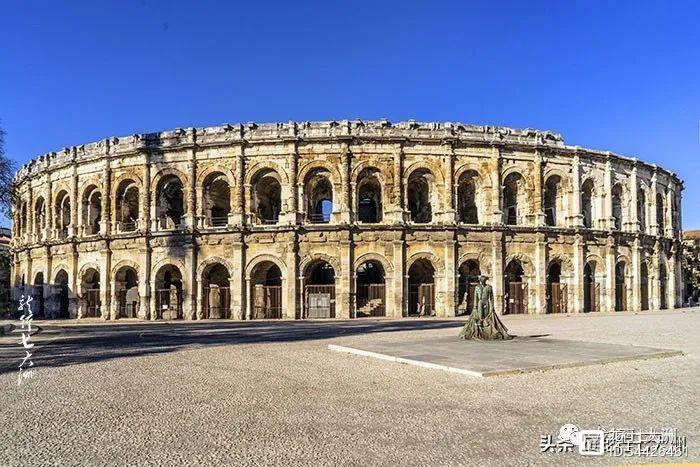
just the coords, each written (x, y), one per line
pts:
(497, 358)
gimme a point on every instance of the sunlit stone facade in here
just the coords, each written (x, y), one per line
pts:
(342, 219)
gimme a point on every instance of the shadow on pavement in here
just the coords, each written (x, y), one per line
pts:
(60, 343)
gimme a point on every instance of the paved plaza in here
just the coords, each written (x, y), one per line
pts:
(262, 393)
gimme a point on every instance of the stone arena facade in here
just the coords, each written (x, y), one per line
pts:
(342, 220)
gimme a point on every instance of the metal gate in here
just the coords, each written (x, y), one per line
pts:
(92, 299)
(620, 297)
(165, 308)
(371, 300)
(558, 298)
(320, 301)
(517, 298)
(267, 302)
(421, 299)
(126, 310)
(217, 309)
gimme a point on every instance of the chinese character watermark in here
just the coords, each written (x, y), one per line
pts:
(617, 442)
(26, 327)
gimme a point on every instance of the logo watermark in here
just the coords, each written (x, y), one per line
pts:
(26, 327)
(616, 442)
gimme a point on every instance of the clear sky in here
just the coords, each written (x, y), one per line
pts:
(620, 76)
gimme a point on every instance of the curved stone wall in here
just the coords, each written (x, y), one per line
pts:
(342, 219)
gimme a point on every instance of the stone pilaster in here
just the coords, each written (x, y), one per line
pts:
(497, 271)
(633, 225)
(576, 217)
(578, 264)
(609, 292)
(451, 276)
(345, 171)
(608, 222)
(344, 298)
(106, 218)
(496, 201)
(540, 278)
(74, 201)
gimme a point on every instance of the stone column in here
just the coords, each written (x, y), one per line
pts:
(145, 305)
(191, 216)
(399, 213)
(106, 218)
(654, 284)
(608, 221)
(293, 216)
(290, 281)
(105, 281)
(671, 287)
(653, 221)
(75, 202)
(48, 206)
(610, 291)
(450, 215)
(451, 275)
(540, 261)
(538, 218)
(497, 271)
(396, 299)
(576, 217)
(146, 197)
(238, 210)
(636, 304)
(634, 224)
(344, 294)
(496, 201)
(345, 173)
(30, 215)
(578, 264)
(237, 282)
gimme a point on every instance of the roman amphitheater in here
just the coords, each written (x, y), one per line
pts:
(343, 219)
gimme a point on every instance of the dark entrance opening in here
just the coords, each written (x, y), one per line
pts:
(266, 293)
(370, 290)
(556, 291)
(319, 301)
(421, 288)
(516, 289)
(469, 273)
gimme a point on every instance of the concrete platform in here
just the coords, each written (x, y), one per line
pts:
(497, 358)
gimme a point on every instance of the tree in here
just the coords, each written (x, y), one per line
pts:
(7, 171)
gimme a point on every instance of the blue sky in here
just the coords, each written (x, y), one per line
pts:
(620, 76)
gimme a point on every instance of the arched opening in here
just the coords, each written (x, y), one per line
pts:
(61, 294)
(369, 196)
(591, 289)
(513, 201)
(169, 295)
(660, 211)
(556, 291)
(620, 286)
(642, 210)
(90, 286)
(217, 200)
(319, 196)
(266, 202)
(266, 291)
(553, 201)
(40, 218)
(170, 203)
(127, 206)
(126, 287)
(39, 294)
(319, 293)
(419, 206)
(587, 203)
(216, 296)
(62, 217)
(644, 286)
(516, 289)
(421, 288)
(469, 272)
(370, 290)
(617, 207)
(663, 291)
(23, 219)
(91, 210)
(467, 208)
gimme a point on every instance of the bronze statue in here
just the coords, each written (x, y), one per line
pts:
(484, 323)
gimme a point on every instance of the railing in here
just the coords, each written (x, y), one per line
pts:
(167, 306)
(218, 221)
(216, 307)
(128, 226)
(267, 302)
(320, 301)
(166, 223)
(318, 218)
(421, 300)
(371, 300)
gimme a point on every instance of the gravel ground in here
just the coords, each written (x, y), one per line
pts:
(271, 393)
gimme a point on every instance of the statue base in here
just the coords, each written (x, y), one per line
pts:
(489, 328)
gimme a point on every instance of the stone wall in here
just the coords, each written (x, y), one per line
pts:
(419, 201)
